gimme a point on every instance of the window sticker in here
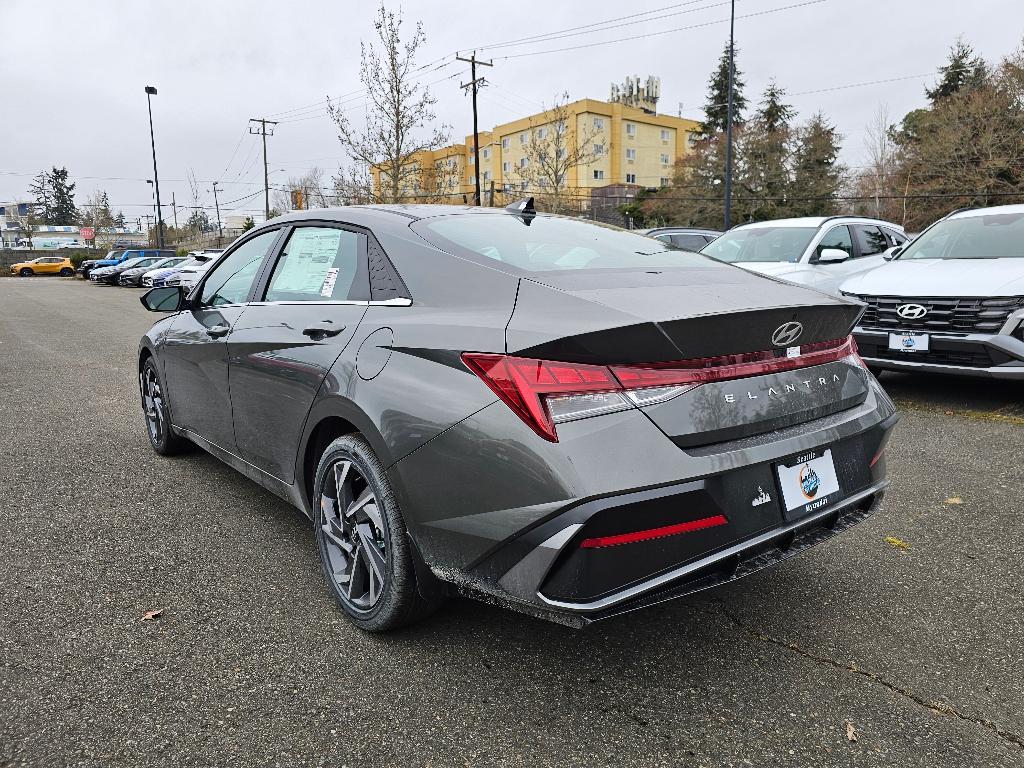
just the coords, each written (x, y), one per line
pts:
(310, 257)
(327, 289)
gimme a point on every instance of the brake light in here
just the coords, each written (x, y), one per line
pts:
(654, 533)
(544, 393)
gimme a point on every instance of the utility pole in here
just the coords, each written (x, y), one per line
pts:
(262, 131)
(475, 83)
(174, 207)
(216, 203)
(728, 122)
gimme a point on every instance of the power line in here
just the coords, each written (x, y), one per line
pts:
(665, 31)
(588, 29)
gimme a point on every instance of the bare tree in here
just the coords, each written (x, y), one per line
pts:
(878, 178)
(315, 193)
(399, 111)
(554, 148)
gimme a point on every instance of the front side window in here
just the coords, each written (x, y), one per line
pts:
(230, 281)
(761, 244)
(982, 236)
(837, 237)
(549, 244)
(870, 239)
(319, 264)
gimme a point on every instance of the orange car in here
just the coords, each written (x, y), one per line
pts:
(45, 265)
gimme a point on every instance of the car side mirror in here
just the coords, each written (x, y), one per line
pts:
(832, 255)
(167, 299)
(892, 253)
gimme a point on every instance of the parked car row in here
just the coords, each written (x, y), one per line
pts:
(950, 300)
(147, 267)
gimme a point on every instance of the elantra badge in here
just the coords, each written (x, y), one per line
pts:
(787, 333)
(911, 311)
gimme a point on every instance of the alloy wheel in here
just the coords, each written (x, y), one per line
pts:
(153, 404)
(353, 540)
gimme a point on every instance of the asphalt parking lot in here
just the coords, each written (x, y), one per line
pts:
(898, 643)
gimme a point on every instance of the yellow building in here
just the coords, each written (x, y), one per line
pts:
(624, 146)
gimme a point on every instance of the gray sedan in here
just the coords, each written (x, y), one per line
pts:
(569, 419)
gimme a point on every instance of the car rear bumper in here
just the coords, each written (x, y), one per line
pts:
(990, 356)
(519, 545)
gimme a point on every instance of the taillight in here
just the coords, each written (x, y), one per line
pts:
(544, 393)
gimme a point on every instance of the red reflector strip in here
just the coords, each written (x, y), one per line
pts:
(654, 533)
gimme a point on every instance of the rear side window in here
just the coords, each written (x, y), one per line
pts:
(548, 243)
(896, 238)
(870, 239)
(320, 264)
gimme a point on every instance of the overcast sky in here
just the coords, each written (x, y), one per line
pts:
(74, 74)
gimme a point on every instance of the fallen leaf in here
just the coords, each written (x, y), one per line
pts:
(898, 543)
(851, 732)
(950, 413)
(954, 500)
(156, 613)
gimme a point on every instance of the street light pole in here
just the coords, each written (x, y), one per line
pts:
(150, 92)
(728, 121)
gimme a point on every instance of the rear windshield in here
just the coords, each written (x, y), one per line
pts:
(759, 244)
(549, 243)
(996, 236)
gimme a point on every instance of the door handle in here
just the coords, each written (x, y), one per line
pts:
(218, 330)
(323, 330)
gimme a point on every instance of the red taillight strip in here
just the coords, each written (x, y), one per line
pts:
(654, 533)
(710, 369)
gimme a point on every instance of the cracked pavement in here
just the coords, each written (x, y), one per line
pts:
(919, 646)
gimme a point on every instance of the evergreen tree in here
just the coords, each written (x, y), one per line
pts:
(817, 173)
(42, 196)
(119, 219)
(248, 224)
(63, 210)
(963, 70)
(717, 107)
(763, 156)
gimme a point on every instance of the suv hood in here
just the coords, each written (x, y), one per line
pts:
(941, 278)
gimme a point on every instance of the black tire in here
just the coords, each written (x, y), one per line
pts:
(351, 538)
(67, 272)
(158, 415)
(26, 272)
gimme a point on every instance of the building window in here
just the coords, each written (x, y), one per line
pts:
(598, 175)
(599, 149)
(631, 178)
(599, 123)
(560, 153)
(472, 158)
(523, 162)
(508, 188)
(487, 175)
(452, 162)
(664, 181)
(506, 142)
(541, 132)
(664, 159)
(522, 186)
(506, 166)
(664, 134)
(631, 154)
(631, 129)
(522, 138)
(543, 183)
(487, 154)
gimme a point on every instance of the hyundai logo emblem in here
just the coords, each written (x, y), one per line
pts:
(786, 334)
(911, 311)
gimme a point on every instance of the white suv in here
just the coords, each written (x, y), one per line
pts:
(815, 251)
(950, 302)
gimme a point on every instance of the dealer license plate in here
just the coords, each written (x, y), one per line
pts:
(909, 342)
(808, 483)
